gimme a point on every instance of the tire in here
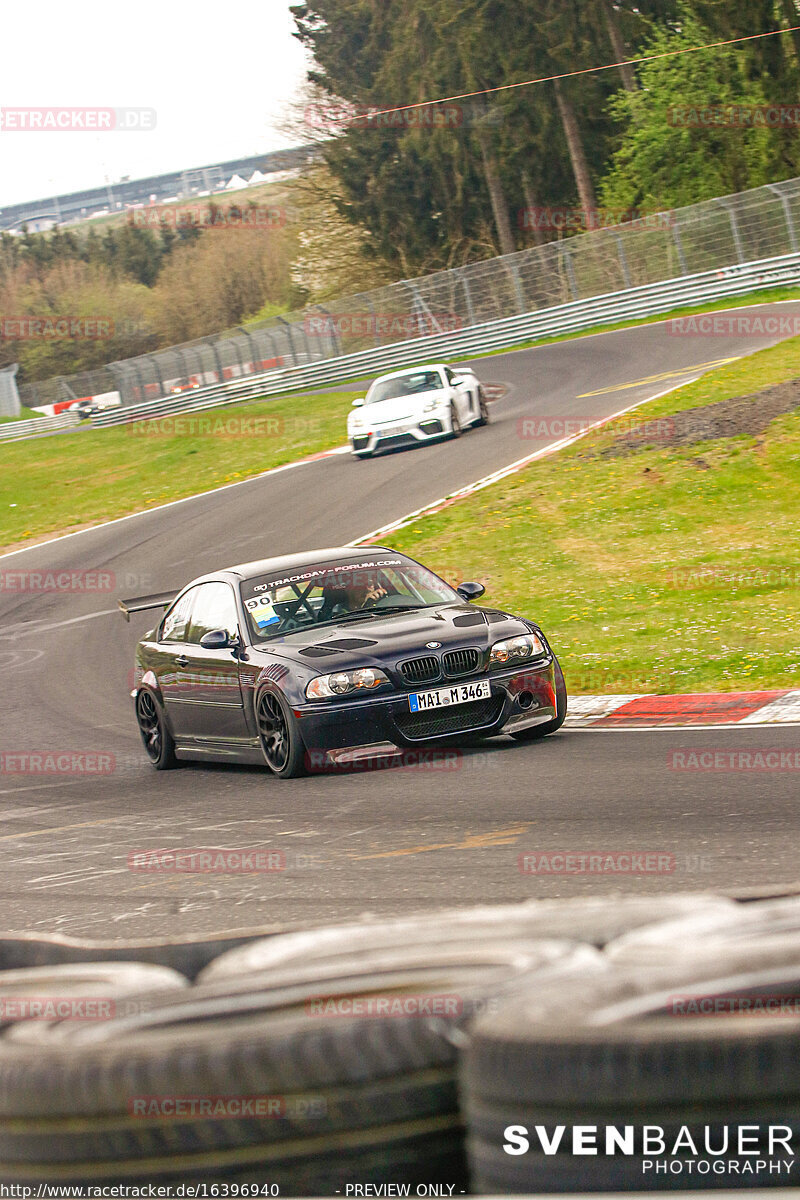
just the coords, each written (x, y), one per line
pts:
(432, 1151)
(156, 738)
(420, 1096)
(281, 742)
(386, 1082)
(455, 423)
(625, 1045)
(105, 983)
(765, 923)
(592, 920)
(484, 409)
(613, 1054)
(539, 731)
(188, 956)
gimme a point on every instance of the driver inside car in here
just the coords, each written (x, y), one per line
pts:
(350, 597)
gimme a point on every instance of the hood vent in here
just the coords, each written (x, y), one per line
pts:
(351, 643)
(473, 618)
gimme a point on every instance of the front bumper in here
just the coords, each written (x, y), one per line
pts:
(430, 427)
(520, 697)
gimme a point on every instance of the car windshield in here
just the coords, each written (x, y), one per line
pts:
(324, 593)
(404, 385)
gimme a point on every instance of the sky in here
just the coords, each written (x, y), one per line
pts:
(223, 77)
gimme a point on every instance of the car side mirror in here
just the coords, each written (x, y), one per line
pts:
(217, 639)
(357, 403)
(470, 591)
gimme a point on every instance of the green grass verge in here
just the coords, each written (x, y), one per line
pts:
(55, 484)
(654, 572)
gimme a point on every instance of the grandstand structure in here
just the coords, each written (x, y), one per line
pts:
(37, 215)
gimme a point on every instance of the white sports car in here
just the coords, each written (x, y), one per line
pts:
(421, 405)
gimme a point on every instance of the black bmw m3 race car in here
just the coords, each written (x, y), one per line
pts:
(288, 661)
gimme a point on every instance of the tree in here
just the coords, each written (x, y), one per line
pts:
(667, 159)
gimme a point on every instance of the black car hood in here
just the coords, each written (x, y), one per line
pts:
(378, 639)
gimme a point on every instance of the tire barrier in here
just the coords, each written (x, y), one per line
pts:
(465, 1049)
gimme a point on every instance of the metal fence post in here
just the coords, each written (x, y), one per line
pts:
(787, 213)
(522, 303)
(623, 262)
(376, 340)
(464, 277)
(10, 405)
(737, 240)
(212, 343)
(157, 367)
(676, 237)
(290, 336)
(253, 348)
(567, 257)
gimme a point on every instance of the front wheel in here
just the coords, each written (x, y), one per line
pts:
(281, 743)
(539, 731)
(157, 740)
(455, 422)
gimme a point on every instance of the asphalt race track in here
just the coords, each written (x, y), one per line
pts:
(357, 842)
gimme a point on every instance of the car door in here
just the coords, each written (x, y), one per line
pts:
(205, 701)
(462, 395)
(168, 646)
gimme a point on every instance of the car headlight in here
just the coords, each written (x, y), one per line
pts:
(342, 683)
(430, 405)
(514, 649)
(356, 423)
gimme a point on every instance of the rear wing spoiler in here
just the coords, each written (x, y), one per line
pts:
(143, 603)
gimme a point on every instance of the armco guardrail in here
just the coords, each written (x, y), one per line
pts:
(493, 335)
(17, 431)
(644, 249)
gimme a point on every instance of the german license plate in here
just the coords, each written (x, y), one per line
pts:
(460, 693)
